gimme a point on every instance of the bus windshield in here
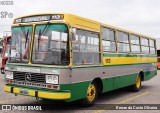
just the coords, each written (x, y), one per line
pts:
(51, 45)
(21, 38)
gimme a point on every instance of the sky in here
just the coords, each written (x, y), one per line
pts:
(142, 16)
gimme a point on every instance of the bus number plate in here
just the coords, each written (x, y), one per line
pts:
(24, 92)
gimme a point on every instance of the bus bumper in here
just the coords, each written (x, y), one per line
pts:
(47, 94)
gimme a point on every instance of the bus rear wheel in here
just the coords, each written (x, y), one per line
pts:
(91, 95)
(136, 87)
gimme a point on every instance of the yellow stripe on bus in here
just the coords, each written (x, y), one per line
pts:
(54, 95)
(128, 60)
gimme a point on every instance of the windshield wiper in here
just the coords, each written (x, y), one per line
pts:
(26, 37)
(41, 33)
(39, 37)
(25, 34)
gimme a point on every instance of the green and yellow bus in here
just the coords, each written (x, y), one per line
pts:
(62, 56)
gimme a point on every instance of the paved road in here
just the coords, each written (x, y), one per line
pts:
(149, 94)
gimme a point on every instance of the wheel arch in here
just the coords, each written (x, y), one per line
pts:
(141, 74)
(99, 83)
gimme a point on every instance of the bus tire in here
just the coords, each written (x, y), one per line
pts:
(91, 96)
(136, 87)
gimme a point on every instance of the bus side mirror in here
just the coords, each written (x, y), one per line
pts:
(73, 34)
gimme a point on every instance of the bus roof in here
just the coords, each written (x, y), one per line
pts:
(82, 22)
(73, 20)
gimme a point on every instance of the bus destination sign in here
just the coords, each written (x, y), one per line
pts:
(39, 18)
(36, 19)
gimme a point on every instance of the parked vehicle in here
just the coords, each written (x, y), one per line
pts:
(5, 52)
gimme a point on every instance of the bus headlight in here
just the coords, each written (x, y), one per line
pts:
(52, 79)
(9, 75)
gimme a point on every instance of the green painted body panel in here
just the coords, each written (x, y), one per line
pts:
(108, 84)
(123, 81)
(149, 74)
(113, 83)
(78, 90)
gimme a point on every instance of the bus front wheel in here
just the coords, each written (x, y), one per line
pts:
(91, 96)
(136, 87)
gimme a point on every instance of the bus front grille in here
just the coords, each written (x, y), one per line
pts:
(29, 77)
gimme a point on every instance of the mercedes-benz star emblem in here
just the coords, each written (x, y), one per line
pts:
(28, 77)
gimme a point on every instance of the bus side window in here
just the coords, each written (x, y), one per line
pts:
(88, 48)
(108, 40)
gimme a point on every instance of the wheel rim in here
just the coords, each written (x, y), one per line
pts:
(91, 93)
(138, 82)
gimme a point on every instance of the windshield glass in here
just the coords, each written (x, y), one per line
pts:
(51, 44)
(21, 37)
(7, 50)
